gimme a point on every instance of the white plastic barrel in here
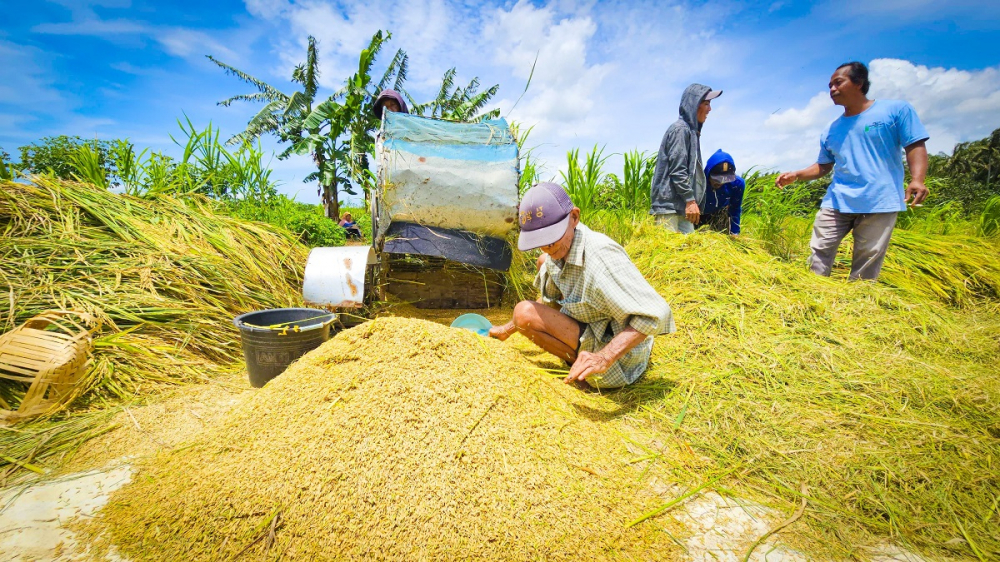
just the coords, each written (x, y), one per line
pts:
(336, 276)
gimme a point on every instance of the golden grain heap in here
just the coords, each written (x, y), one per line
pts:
(400, 439)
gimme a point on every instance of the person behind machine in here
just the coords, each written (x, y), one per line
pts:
(389, 100)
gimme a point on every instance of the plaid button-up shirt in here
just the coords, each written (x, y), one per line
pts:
(597, 284)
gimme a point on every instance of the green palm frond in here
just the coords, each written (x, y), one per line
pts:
(261, 86)
(265, 122)
(398, 63)
(401, 71)
(259, 96)
(297, 106)
(311, 77)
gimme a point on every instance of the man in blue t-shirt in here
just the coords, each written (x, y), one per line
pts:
(864, 148)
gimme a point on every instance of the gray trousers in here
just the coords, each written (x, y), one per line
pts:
(675, 222)
(872, 232)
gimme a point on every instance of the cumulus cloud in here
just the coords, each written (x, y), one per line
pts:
(426, 28)
(565, 87)
(955, 105)
(814, 116)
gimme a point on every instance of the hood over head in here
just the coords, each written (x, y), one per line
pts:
(387, 95)
(729, 174)
(718, 158)
(693, 95)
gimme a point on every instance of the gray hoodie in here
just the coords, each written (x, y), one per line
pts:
(679, 176)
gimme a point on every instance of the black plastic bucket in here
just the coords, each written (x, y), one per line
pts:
(273, 339)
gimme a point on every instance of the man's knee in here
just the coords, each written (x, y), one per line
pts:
(525, 315)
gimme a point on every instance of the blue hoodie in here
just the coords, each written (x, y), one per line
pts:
(728, 195)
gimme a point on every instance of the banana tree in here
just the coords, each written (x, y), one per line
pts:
(346, 121)
(284, 115)
(458, 104)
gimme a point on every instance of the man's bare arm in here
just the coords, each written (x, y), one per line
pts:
(588, 364)
(813, 172)
(916, 159)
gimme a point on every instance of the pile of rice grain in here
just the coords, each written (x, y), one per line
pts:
(399, 439)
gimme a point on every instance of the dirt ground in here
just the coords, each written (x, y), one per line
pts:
(35, 517)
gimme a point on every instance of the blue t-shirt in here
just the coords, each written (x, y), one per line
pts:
(866, 151)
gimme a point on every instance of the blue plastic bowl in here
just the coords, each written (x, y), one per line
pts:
(473, 322)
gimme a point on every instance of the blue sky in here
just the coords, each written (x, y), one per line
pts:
(608, 73)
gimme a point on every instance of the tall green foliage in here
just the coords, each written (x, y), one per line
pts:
(206, 167)
(283, 116)
(344, 124)
(989, 219)
(583, 180)
(7, 170)
(456, 103)
(530, 172)
(56, 156)
(89, 167)
(637, 177)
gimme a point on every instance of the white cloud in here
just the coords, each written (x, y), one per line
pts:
(424, 27)
(564, 90)
(188, 43)
(954, 105)
(177, 41)
(815, 115)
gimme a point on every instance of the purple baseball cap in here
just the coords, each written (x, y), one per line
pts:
(543, 214)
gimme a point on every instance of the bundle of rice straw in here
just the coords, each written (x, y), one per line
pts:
(163, 278)
(400, 440)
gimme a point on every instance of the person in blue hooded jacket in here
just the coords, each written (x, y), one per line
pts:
(724, 196)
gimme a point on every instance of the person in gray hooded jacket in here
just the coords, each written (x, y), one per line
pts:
(679, 184)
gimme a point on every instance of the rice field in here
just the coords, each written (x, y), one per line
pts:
(876, 406)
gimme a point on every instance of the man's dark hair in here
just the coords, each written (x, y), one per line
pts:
(858, 73)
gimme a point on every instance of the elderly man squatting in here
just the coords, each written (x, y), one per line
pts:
(607, 312)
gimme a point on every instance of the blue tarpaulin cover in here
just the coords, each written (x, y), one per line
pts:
(452, 176)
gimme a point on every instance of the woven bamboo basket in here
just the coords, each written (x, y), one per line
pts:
(50, 353)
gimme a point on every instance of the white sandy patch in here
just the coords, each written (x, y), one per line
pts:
(33, 516)
(723, 529)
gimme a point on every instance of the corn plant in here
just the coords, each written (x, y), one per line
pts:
(770, 208)
(529, 167)
(637, 177)
(583, 182)
(989, 219)
(89, 166)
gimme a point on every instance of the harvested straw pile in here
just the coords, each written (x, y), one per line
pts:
(163, 277)
(959, 270)
(885, 403)
(401, 440)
